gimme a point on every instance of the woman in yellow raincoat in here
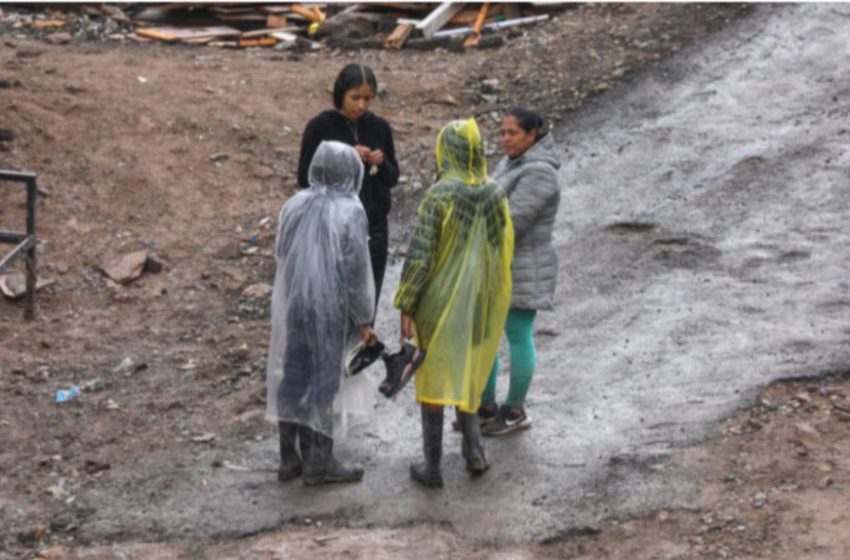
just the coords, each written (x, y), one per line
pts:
(455, 290)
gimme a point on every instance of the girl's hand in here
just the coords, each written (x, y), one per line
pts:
(376, 157)
(364, 152)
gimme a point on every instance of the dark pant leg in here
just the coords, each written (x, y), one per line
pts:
(298, 367)
(379, 239)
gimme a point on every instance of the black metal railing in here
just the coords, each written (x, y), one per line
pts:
(25, 243)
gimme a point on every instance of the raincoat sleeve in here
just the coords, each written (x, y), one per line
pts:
(358, 271)
(534, 191)
(421, 254)
(388, 171)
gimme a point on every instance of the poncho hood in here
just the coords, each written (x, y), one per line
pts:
(337, 168)
(460, 153)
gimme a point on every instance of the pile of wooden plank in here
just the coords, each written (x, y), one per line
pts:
(364, 25)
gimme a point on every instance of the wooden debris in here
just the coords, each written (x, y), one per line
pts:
(269, 31)
(187, 34)
(258, 42)
(114, 12)
(472, 40)
(275, 21)
(438, 18)
(313, 14)
(398, 37)
(48, 24)
(493, 26)
(418, 25)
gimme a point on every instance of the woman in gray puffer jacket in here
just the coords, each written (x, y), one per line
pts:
(529, 175)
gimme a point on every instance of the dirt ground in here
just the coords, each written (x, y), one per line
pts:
(189, 152)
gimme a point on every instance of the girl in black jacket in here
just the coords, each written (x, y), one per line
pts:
(370, 135)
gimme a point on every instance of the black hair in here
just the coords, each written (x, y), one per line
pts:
(528, 120)
(352, 76)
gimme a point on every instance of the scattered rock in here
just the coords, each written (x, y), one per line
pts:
(219, 156)
(28, 53)
(14, 286)
(53, 553)
(125, 365)
(263, 172)
(230, 250)
(490, 85)
(93, 467)
(807, 436)
(59, 38)
(260, 290)
(443, 97)
(130, 267)
(94, 386)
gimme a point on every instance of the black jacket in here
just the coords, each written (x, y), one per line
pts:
(370, 130)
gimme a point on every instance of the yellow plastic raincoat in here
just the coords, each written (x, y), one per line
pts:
(456, 279)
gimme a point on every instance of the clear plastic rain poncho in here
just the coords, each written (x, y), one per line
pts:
(323, 291)
(456, 279)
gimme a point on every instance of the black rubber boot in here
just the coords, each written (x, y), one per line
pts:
(429, 473)
(473, 450)
(290, 463)
(320, 465)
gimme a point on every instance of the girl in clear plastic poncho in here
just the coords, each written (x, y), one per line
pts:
(322, 303)
(454, 291)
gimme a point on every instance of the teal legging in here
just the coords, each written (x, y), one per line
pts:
(519, 329)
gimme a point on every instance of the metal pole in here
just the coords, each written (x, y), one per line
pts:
(29, 310)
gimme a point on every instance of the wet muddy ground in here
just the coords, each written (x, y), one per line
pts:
(703, 256)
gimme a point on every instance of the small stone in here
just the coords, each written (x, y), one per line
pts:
(490, 86)
(807, 436)
(263, 172)
(759, 500)
(125, 365)
(219, 156)
(28, 53)
(229, 250)
(260, 290)
(93, 467)
(58, 38)
(52, 553)
(94, 385)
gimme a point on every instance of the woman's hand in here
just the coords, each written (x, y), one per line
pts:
(376, 157)
(364, 152)
(407, 327)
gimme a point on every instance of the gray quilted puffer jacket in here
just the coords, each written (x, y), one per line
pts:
(531, 183)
